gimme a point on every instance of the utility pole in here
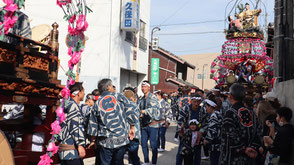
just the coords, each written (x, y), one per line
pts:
(204, 65)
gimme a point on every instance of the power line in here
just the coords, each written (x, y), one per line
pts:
(208, 32)
(189, 23)
(175, 12)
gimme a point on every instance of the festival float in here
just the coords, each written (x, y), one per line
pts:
(28, 77)
(243, 58)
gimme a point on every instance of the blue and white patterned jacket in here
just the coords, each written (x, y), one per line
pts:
(165, 112)
(111, 118)
(72, 131)
(152, 112)
(213, 137)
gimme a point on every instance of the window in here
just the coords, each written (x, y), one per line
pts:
(142, 28)
(131, 38)
(199, 76)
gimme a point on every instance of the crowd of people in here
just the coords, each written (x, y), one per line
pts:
(232, 127)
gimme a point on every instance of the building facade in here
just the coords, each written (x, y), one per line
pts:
(172, 71)
(200, 76)
(283, 52)
(109, 51)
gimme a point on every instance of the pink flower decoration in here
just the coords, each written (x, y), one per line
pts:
(11, 7)
(8, 2)
(215, 78)
(71, 31)
(212, 71)
(45, 160)
(52, 148)
(55, 127)
(62, 2)
(62, 117)
(72, 19)
(69, 52)
(82, 24)
(71, 81)
(59, 111)
(65, 92)
(213, 63)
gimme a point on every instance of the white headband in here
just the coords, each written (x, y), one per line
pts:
(193, 121)
(75, 93)
(216, 90)
(196, 98)
(146, 83)
(211, 103)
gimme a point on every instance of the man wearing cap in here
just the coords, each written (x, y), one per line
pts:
(112, 124)
(72, 134)
(150, 113)
(190, 112)
(212, 138)
(240, 133)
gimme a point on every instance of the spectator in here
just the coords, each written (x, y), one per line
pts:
(281, 143)
(248, 102)
(265, 112)
(271, 97)
(240, 139)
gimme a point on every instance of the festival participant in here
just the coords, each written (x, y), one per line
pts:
(86, 108)
(112, 124)
(212, 138)
(165, 118)
(281, 144)
(183, 100)
(189, 112)
(240, 138)
(72, 134)
(191, 141)
(133, 147)
(149, 106)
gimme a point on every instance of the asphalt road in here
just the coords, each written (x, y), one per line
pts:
(164, 158)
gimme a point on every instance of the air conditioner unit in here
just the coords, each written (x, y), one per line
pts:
(155, 43)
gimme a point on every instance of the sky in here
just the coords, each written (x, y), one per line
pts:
(194, 17)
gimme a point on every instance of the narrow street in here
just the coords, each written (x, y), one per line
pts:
(164, 158)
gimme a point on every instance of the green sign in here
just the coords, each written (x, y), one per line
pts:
(154, 70)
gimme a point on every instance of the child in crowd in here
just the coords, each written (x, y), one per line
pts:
(191, 140)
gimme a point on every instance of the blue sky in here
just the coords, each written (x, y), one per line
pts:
(190, 11)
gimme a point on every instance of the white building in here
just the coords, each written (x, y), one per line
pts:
(109, 51)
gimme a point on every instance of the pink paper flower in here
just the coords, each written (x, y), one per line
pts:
(213, 63)
(45, 160)
(72, 31)
(212, 71)
(52, 148)
(72, 19)
(69, 52)
(82, 24)
(11, 7)
(71, 81)
(8, 2)
(65, 92)
(59, 111)
(62, 117)
(215, 78)
(55, 127)
(63, 2)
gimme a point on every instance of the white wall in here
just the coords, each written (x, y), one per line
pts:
(106, 50)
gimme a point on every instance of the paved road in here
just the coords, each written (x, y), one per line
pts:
(164, 158)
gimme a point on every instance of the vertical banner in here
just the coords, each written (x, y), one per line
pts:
(130, 15)
(154, 71)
